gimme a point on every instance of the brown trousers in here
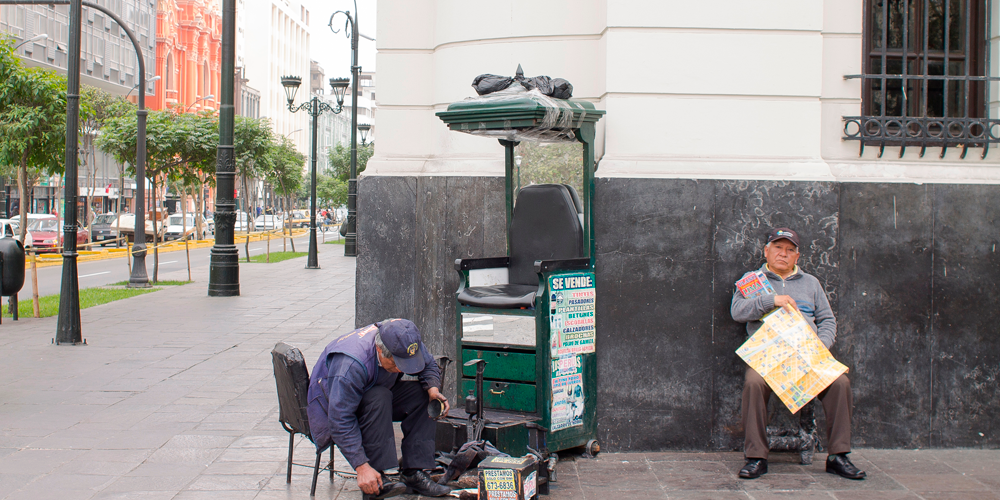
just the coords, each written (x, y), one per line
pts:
(837, 405)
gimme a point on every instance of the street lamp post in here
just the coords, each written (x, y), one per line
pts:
(351, 235)
(314, 107)
(224, 269)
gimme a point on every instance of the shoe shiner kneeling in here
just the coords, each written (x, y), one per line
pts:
(355, 394)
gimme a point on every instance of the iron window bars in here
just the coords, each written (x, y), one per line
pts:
(925, 76)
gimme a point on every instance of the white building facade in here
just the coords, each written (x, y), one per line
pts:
(277, 44)
(724, 119)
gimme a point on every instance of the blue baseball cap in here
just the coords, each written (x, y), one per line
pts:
(403, 340)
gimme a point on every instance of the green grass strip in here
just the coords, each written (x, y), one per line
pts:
(89, 297)
(275, 257)
(335, 242)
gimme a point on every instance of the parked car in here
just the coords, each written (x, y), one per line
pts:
(267, 222)
(300, 218)
(104, 230)
(45, 235)
(10, 228)
(127, 222)
(243, 222)
(175, 227)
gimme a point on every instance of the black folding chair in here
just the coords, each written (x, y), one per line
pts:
(292, 378)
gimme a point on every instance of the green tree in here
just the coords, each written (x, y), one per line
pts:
(96, 108)
(330, 191)
(340, 160)
(32, 121)
(334, 185)
(286, 168)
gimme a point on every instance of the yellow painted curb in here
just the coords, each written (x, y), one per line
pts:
(56, 259)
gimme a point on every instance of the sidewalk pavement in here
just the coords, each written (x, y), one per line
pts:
(174, 398)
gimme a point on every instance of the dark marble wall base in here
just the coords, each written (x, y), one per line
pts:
(911, 272)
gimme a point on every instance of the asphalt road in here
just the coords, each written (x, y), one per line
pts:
(104, 272)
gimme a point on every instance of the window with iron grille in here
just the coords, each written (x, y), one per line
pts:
(925, 79)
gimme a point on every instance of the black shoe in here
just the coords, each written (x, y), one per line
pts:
(841, 465)
(754, 468)
(389, 489)
(421, 483)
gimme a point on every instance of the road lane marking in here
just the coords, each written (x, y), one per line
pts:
(168, 262)
(95, 274)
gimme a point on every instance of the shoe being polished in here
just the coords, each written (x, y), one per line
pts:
(421, 483)
(754, 468)
(841, 465)
(389, 489)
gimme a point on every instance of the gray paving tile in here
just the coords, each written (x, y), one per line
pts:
(939, 483)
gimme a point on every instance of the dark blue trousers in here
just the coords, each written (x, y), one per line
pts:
(407, 403)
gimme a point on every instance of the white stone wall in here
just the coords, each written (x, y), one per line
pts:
(708, 89)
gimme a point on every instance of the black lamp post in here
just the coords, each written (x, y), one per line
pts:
(314, 107)
(224, 269)
(351, 234)
(364, 128)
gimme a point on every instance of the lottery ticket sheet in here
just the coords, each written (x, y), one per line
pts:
(790, 357)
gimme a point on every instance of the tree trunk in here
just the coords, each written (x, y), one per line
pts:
(156, 237)
(184, 234)
(246, 203)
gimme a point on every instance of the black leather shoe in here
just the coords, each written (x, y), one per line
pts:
(389, 489)
(754, 468)
(421, 483)
(841, 465)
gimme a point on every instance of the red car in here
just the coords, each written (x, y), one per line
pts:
(45, 235)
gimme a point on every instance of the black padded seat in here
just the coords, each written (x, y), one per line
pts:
(545, 226)
(499, 296)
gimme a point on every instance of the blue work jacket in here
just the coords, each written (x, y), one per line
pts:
(346, 369)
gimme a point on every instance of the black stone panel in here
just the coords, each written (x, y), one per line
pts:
(966, 315)
(744, 212)
(653, 266)
(883, 326)
(911, 273)
(387, 249)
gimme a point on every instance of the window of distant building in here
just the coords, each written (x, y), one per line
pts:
(924, 76)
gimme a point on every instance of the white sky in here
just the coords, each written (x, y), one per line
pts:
(333, 51)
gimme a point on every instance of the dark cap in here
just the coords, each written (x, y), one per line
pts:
(783, 233)
(403, 340)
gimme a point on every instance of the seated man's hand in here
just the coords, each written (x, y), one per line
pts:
(369, 480)
(435, 393)
(785, 300)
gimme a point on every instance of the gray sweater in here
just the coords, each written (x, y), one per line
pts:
(808, 295)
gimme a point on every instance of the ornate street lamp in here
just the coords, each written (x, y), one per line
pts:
(364, 128)
(351, 30)
(314, 107)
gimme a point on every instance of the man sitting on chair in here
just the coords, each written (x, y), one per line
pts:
(793, 288)
(355, 394)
